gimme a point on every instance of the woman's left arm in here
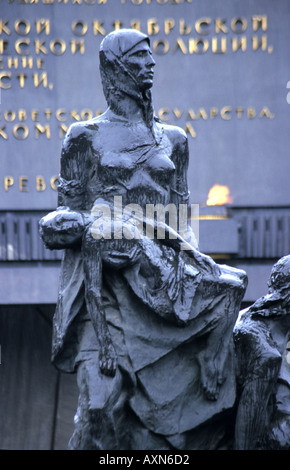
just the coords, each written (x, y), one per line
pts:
(180, 197)
(179, 189)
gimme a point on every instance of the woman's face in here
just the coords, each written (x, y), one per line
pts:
(140, 63)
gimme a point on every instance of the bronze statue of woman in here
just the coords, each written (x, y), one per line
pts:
(146, 324)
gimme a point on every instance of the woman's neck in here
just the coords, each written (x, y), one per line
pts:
(135, 109)
(128, 108)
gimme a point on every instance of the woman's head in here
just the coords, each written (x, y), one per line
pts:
(126, 63)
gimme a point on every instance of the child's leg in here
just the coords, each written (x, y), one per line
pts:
(92, 254)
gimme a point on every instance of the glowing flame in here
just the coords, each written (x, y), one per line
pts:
(219, 195)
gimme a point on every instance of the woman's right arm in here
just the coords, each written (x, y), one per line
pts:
(64, 227)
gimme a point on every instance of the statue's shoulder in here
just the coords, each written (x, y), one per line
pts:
(175, 134)
(81, 133)
(83, 129)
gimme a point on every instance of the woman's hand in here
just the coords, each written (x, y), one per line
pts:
(204, 263)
